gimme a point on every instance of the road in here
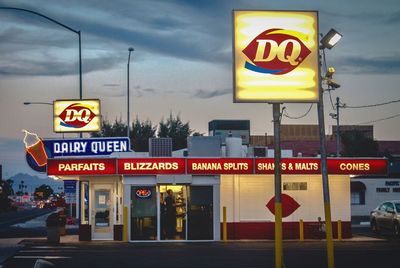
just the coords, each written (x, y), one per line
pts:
(214, 254)
(28, 223)
(356, 253)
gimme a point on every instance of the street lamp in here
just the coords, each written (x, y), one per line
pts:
(44, 103)
(127, 88)
(328, 41)
(65, 27)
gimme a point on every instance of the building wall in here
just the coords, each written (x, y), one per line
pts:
(246, 196)
(374, 198)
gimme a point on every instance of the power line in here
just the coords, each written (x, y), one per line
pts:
(371, 105)
(285, 114)
(378, 120)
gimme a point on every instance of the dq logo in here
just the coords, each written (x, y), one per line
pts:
(76, 115)
(276, 51)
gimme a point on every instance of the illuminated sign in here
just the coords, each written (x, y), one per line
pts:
(95, 166)
(275, 56)
(36, 153)
(357, 166)
(81, 147)
(212, 166)
(76, 115)
(313, 166)
(140, 166)
(143, 193)
(288, 166)
(220, 166)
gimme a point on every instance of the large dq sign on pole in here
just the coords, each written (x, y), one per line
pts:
(76, 115)
(275, 56)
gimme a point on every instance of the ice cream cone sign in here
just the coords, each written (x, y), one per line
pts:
(34, 146)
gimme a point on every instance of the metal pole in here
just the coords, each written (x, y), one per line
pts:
(80, 73)
(127, 98)
(337, 128)
(325, 182)
(278, 191)
(128, 113)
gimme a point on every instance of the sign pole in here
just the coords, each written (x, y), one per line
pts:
(325, 182)
(278, 181)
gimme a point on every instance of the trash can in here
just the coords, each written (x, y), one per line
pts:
(62, 222)
(53, 228)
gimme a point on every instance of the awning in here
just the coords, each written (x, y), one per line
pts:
(357, 186)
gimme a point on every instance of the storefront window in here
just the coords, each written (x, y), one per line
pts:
(143, 213)
(200, 214)
(358, 198)
(85, 202)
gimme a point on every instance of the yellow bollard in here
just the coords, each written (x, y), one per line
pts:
(224, 225)
(339, 230)
(301, 230)
(125, 217)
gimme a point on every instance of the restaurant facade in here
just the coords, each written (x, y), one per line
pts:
(139, 199)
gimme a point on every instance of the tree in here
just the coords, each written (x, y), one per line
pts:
(356, 144)
(116, 129)
(177, 130)
(5, 191)
(43, 191)
(141, 132)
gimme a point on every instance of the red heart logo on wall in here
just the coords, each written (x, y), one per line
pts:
(289, 205)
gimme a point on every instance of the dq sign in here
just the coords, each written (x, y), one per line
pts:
(276, 56)
(76, 115)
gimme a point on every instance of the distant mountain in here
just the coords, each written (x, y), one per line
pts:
(34, 181)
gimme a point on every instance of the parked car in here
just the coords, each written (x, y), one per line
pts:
(386, 217)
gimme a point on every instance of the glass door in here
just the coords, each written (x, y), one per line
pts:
(200, 213)
(173, 207)
(102, 212)
(143, 213)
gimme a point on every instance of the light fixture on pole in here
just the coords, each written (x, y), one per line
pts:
(328, 41)
(128, 113)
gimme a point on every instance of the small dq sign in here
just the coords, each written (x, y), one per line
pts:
(275, 56)
(77, 115)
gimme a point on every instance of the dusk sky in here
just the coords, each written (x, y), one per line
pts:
(182, 64)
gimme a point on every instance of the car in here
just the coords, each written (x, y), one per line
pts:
(386, 217)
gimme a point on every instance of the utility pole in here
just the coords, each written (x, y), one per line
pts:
(278, 182)
(337, 128)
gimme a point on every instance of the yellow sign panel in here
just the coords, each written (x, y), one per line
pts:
(276, 56)
(77, 115)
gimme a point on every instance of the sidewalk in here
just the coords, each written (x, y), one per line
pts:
(74, 239)
(8, 247)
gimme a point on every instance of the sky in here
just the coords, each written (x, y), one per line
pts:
(181, 64)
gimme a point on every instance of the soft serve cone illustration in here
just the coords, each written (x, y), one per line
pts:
(35, 147)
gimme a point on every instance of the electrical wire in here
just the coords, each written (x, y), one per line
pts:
(285, 114)
(330, 98)
(371, 105)
(378, 120)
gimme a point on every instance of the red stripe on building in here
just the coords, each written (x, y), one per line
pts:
(148, 166)
(215, 166)
(93, 166)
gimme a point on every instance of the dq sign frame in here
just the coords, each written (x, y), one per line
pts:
(76, 116)
(275, 56)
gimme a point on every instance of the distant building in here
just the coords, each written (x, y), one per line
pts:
(230, 128)
(367, 131)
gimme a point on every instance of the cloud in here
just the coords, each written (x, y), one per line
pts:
(52, 67)
(378, 65)
(208, 94)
